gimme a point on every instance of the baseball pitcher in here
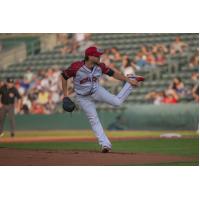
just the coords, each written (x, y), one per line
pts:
(86, 76)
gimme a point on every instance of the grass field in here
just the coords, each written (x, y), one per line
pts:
(176, 146)
(88, 133)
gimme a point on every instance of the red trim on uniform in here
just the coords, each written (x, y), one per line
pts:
(84, 80)
(104, 68)
(72, 70)
(74, 67)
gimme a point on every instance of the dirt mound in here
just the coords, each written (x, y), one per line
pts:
(19, 157)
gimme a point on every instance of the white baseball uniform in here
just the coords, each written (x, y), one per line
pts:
(88, 91)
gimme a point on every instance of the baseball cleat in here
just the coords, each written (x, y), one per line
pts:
(137, 78)
(105, 149)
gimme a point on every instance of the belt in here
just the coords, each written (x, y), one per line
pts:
(85, 95)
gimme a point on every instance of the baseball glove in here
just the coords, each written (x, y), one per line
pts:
(68, 104)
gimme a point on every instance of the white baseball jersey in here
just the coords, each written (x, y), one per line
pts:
(86, 81)
(88, 89)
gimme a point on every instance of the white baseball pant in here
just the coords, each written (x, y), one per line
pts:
(87, 104)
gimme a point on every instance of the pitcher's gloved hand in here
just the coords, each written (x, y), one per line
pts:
(68, 104)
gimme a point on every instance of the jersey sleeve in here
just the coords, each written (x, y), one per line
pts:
(106, 70)
(68, 73)
(71, 71)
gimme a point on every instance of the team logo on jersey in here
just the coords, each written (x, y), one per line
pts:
(84, 80)
(87, 79)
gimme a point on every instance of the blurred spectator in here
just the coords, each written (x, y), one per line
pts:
(170, 97)
(159, 48)
(62, 38)
(155, 97)
(70, 43)
(160, 59)
(144, 50)
(156, 55)
(195, 93)
(33, 94)
(65, 50)
(195, 78)
(178, 46)
(75, 43)
(151, 60)
(54, 85)
(37, 108)
(24, 86)
(127, 67)
(105, 58)
(79, 37)
(55, 98)
(148, 58)
(41, 73)
(45, 82)
(26, 105)
(43, 97)
(178, 86)
(85, 42)
(140, 61)
(195, 89)
(115, 54)
(194, 60)
(29, 75)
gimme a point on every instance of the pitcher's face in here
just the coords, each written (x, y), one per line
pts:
(95, 59)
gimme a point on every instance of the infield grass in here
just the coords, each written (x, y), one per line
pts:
(182, 147)
(89, 133)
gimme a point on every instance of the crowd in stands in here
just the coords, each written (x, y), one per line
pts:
(42, 93)
(172, 94)
(176, 91)
(74, 43)
(147, 57)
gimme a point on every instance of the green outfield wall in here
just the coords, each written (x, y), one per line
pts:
(138, 117)
(165, 117)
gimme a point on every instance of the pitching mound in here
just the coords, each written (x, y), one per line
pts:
(16, 157)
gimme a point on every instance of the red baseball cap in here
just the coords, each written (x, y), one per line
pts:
(93, 51)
